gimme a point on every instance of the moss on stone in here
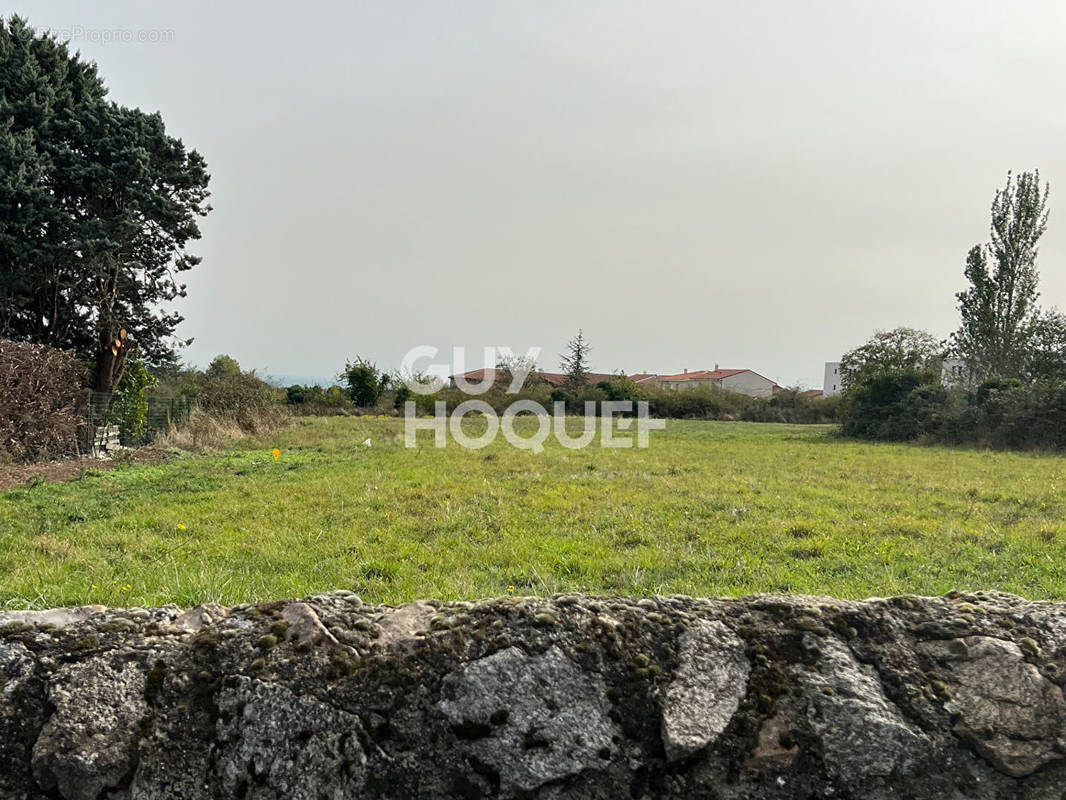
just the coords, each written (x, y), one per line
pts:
(279, 628)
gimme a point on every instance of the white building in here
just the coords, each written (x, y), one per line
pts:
(742, 381)
(832, 383)
(953, 372)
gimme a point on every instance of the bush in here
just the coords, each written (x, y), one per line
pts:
(129, 406)
(226, 392)
(230, 404)
(999, 413)
(1011, 415)
(792, 406)
(701, 403)
(223, 367)
(561, 395)
(620, 388)
(365, 383)
(497, 396)
(245, 399)
(42, 401)
(882, 407)
(316, 400)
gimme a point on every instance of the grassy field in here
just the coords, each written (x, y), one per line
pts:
(708, 509)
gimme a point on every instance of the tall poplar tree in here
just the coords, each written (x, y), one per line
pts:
(999, 308)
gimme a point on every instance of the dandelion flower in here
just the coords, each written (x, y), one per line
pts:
(276, 453)
(181, 527)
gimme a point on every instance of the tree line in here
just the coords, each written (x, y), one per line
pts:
(366, 388)
(1000, 378)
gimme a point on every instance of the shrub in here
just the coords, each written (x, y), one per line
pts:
(999, 413)
(899, 350)
(223, 367)
(226, 392)
(793, 406)
(881, 406)
(701, 403)
(316, 400)
(42, 401)
(1007, 414)
(620, 388)
(590, 393)
(425, 400)
(497, 396)
(561, 395)
(247, 400)
(365, 383)
(129, 406)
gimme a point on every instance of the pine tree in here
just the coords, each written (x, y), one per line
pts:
(97, 206)
(575, 362)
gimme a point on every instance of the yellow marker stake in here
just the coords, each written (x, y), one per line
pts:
(277, 453)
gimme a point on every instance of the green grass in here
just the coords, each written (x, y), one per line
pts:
(708, 509)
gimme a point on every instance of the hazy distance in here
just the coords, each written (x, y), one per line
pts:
(751, 184)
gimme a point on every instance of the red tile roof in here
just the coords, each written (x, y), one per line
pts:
(552, 378)
(559, 378)
(476, 375)
(703, 375)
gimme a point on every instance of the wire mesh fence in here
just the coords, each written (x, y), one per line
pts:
(114, 420)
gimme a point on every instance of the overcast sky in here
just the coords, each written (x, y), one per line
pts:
(753, 184)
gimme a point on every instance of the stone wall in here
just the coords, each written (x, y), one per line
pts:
(572, 696)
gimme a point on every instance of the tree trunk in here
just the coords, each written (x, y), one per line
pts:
(111, 346)
(111, 357)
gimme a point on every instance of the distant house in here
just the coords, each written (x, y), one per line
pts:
(813, 392)
(644, 378)
(832, 383)
(554, 379)
(742, 381)
(953, 372)
(476, 376)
